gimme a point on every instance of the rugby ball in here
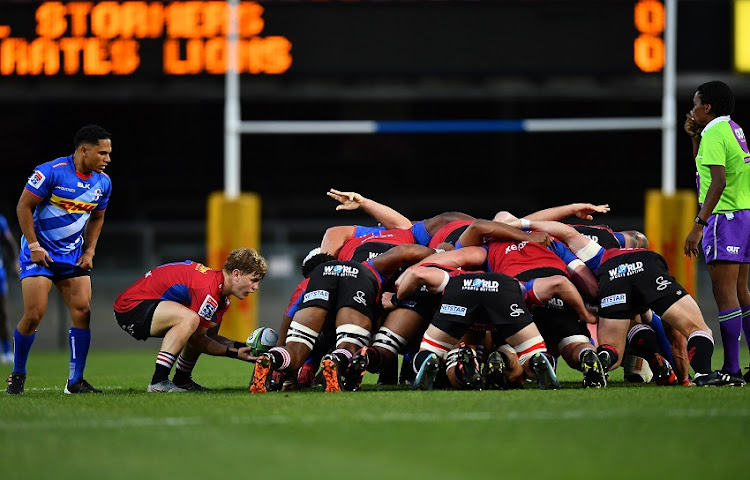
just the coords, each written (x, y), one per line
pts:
(261, 340)
(637, 370)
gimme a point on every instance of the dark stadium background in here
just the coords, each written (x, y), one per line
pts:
(168, 149)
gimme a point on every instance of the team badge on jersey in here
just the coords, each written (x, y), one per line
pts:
(37, 179)
(208, 308)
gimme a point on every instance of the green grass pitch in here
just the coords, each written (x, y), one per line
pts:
(622, 432)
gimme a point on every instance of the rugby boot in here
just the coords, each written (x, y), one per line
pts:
(331, 374)
(425, 379)
(356, 371)
(81, 386)
(467, 368)
(593, 370)
(663, 373)
(493, 376)
(544, 371)
(259, 383)
(192, 386)
(717, 379)
(15, 383)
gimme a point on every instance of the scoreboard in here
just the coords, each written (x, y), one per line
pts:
(332, 38)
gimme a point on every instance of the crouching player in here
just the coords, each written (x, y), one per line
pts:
(473, 299)
(630, 282)
(184, 304)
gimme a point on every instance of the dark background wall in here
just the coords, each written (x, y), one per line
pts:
(367, 60)
(168, 131)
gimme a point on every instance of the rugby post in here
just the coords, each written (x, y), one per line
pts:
(670, 212)
(233, 217)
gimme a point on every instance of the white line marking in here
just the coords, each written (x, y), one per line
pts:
(391, 417)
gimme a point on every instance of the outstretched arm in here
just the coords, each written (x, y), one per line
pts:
(384, 214)
(481, 229)
(580, 210)
(565, 233)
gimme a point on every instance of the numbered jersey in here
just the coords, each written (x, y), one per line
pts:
(189, 283)
(68, 200)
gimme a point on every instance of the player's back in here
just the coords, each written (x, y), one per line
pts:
(171, 281)
(513, 258)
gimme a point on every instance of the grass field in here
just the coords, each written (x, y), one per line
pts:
(623, 431)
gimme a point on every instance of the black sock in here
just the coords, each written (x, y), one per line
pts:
(277, 359)
(184, 371)
(700, 348)
(164, 363)
(643, 342)
(607, 355)
(374, 360)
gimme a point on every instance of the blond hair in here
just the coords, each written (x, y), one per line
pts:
(247, 261)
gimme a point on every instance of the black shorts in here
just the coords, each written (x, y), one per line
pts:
(491, 301)
(631, 283)
(137, 320)
(422, 302)
(337, 284)
(555, 320)
(558, 324)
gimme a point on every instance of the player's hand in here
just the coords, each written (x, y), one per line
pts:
(504, 216)
(40, 256)
(584, 210)
(692, 242)
(542, 238)
(386, 300)
(445, 246)
(86, 262)
(349, 200)
(691, 128)
(591, 317)
(245, 354)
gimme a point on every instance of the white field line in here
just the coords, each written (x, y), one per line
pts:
(392, 417)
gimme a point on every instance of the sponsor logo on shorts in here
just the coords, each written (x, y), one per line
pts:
(36, 179)
(620, 298)
(208, 307)
(556, 303)
(661, 284)
(516, 311)
(453, 310)
(315, 295)
(626, 270)
(708, 250)
(591, 237)
(733, 250)
(359, 297)
(341, 270)
(480, 285)
(33, 265)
